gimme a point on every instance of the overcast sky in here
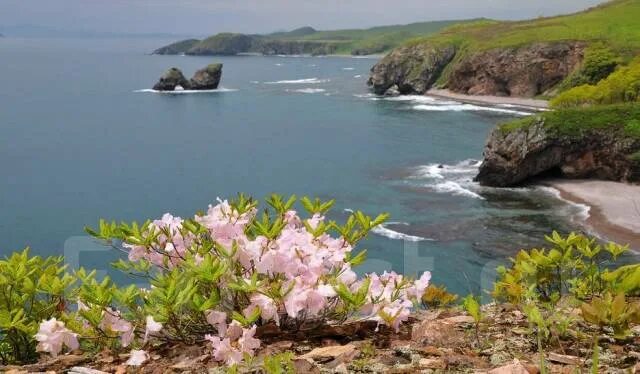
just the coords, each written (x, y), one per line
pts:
(200, 17)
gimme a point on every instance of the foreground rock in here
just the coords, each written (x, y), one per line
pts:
(511, 157)
(207, 78)
(171, 79)
(525, 71)
(441, 341)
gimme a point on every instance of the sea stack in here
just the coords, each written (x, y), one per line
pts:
(171, 79)
(207, 78)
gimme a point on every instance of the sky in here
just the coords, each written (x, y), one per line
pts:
(205, 17)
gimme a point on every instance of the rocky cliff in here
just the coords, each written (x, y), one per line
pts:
(513, 156)
(411, 69)
(524, 71)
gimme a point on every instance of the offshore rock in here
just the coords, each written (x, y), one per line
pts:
(207, 78)
(171, 79)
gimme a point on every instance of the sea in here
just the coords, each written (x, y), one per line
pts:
(83, 137)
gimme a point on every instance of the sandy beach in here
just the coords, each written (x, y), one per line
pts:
(533, 104)
(615, 207)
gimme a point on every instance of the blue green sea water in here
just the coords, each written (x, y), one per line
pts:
(82, 138)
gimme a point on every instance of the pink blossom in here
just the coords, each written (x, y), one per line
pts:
(111, 321)
(247, 341)
(218, 320)
(52, 335)
(137, 358)
(268, 308)
(224, 351)
(152, 327)
(420, 285)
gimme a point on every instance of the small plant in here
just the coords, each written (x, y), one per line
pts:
(574, 265)
(437, 297)
(281, 363)
(471, 304)
(539, 324)
(614, 312)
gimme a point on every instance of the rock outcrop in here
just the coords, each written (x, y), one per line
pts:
(411, 69)
(513, 157)
(207, 78)
(171, 79)
(525, 72)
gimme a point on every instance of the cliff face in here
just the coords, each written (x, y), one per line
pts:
(512, 157)
(526, 71)
(409, 70)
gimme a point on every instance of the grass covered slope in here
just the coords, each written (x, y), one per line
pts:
(538, 57)
(615, 22)
(308, 40)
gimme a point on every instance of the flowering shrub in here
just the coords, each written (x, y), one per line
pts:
(217, 277)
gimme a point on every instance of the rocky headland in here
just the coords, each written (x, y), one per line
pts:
(513, 156)
(207, 78)
(525, 71)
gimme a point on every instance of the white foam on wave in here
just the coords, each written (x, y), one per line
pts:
(454, 179)
(583, 210)
(357, 76)
(278, 64)
(348, 68)
(455, 188)
(182, 92)
(457, 107)
(382, 230)
(300, 81)
(308, 90)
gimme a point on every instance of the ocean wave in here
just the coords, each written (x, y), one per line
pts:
(383, 230)
(308, 90)
(278, 64)
(451, 107)
(456, 179)
(182, 92)
(583, 210)
(357, 76)
(300, 81)
(348, 68)
(455, 188)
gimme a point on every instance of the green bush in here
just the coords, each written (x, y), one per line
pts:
(621, 86)
(32, 289)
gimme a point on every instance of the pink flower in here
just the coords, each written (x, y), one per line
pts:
(218, 320)
(137, 358)
(420, 285)
(268, 308)
(224, 351)
(112, 321)
(247, 342)
(152, 327)
(52, 335)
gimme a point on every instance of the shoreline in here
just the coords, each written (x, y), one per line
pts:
(521, 102)
(614, 213)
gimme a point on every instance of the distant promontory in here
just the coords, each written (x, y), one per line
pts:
(306, 41)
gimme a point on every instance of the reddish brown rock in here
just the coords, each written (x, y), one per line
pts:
(525, 72)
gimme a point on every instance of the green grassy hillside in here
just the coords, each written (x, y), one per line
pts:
(615, 22)
(306, 40)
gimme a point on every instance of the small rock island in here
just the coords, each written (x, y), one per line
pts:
(207, 78)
